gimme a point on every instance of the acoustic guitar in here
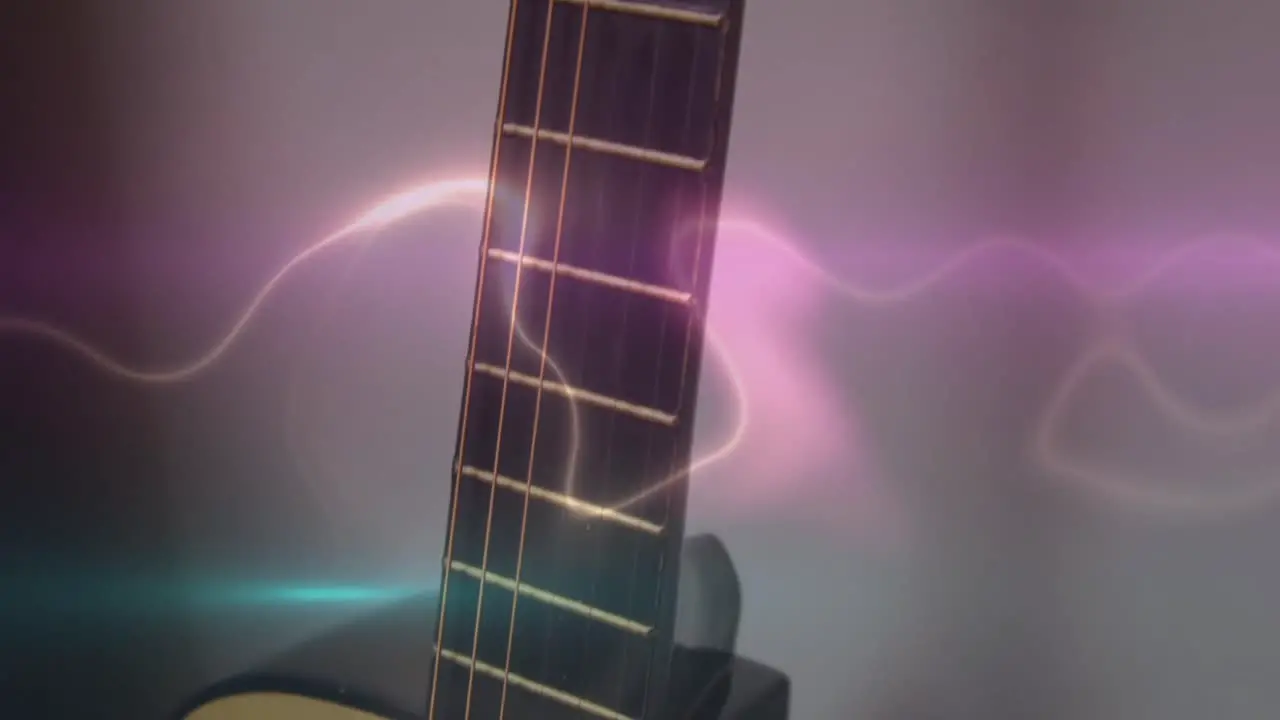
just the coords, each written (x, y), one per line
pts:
(566, 520)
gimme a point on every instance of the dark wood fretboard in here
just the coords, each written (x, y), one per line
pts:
(608, 168)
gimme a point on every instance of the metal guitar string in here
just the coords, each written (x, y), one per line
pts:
(486, 238)
(511, 335)
(698, 227)
(676, 239)
(543, 349)
(695, 329)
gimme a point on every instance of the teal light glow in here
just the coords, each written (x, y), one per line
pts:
(104, 594)
(327, 594)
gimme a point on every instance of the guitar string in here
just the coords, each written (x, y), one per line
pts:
(544, 348)
(511, 335)
(606, 428)
(676, 473)
(556, 561)
(678, 465)
(682, 475)
(623, 659)
(645, 464)
(486, 238)
(680, 469)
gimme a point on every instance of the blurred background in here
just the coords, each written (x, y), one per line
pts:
(910, 553)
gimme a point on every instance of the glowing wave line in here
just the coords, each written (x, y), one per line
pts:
(395, 208)
(1223, 425)
(1089, 291)
(1135, 490)
(403, 205)
(392, 209)
(1253, 417)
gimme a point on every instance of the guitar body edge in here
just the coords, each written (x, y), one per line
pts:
(274, 705)
(269, 696)
(711, 685)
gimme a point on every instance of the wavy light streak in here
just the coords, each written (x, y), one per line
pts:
(392, 209)
(1134, 490)
(469, 191)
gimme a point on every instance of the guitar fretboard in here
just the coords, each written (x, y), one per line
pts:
(569, 480)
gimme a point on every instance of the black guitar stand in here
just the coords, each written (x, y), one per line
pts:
(380, 664)
(711, 685)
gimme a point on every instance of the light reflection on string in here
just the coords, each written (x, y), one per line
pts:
(421, 198)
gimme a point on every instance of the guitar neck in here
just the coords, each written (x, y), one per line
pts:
(570, 475)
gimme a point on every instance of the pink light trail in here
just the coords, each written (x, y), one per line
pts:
(793, 416)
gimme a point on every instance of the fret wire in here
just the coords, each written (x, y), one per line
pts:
(485, 239)
(577, 607)
(567, 502)
(576, 393)
(657, 12)
(525, 683)
(594, 276)
(633, 152)
(569, 141)
(511, 336)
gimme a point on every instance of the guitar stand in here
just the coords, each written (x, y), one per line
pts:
(382, 663)
(708, 678)
(711, 685)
